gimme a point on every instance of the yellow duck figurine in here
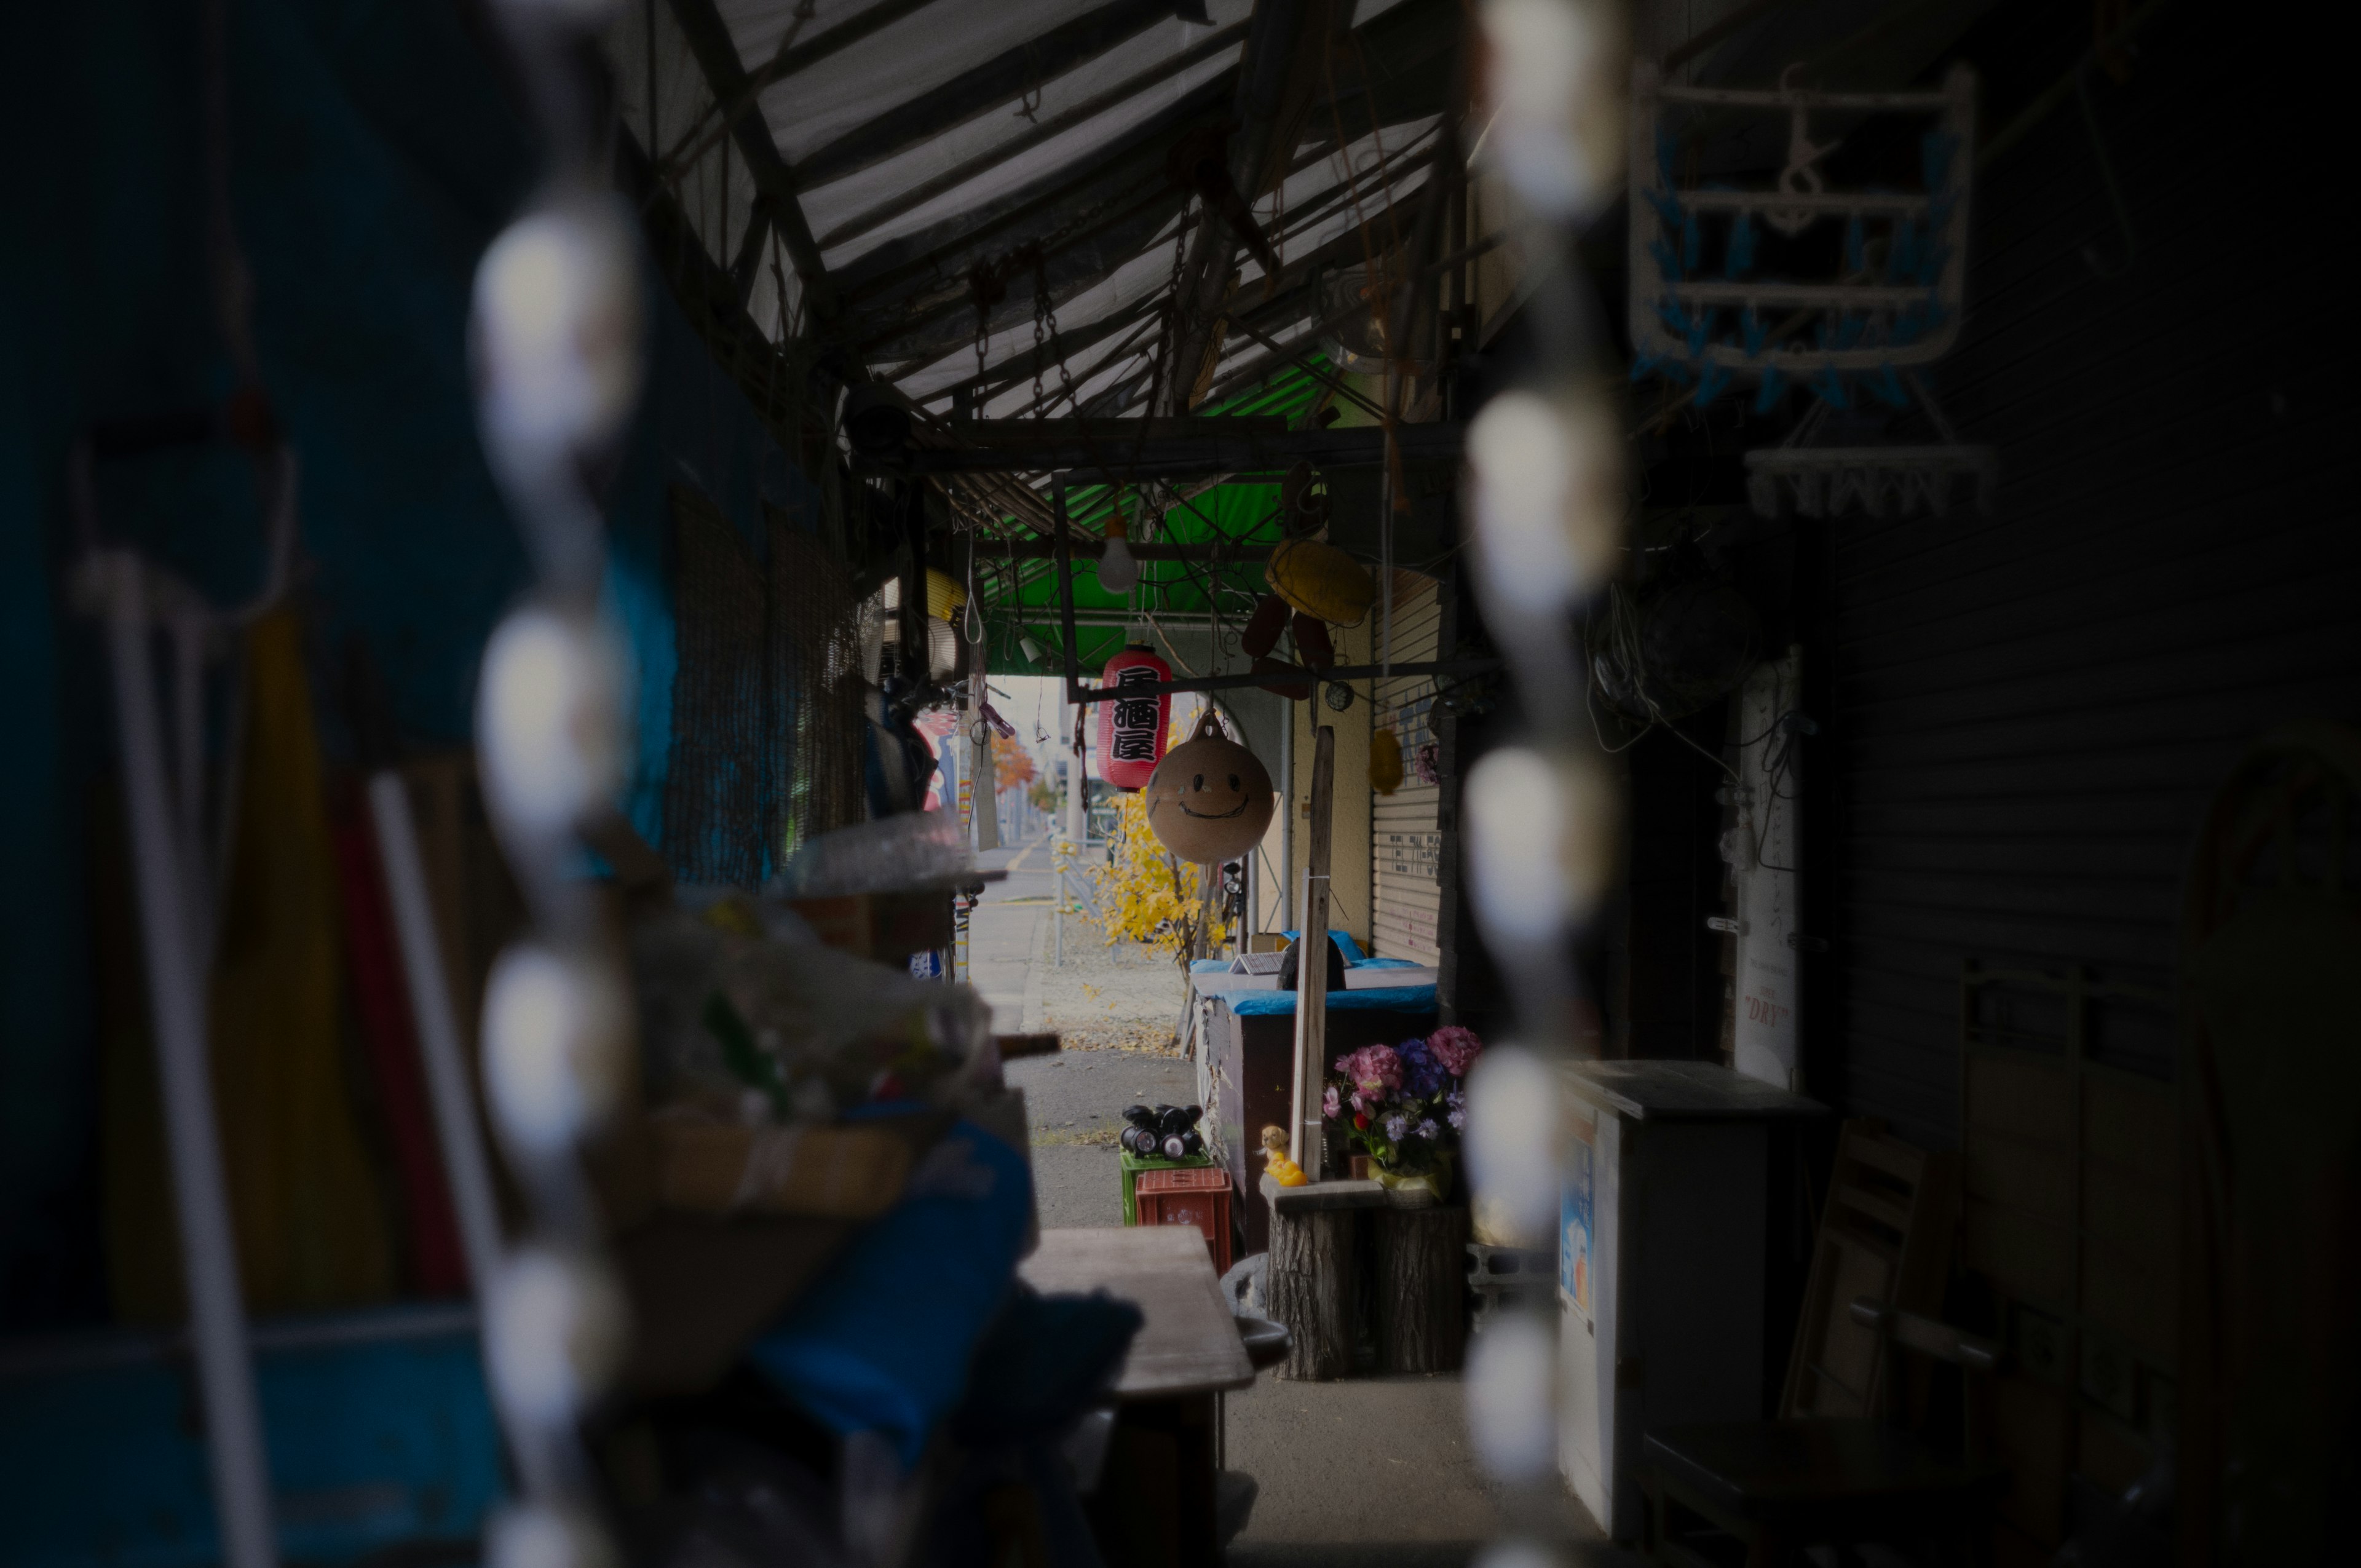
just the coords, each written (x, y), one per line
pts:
(1283, 1170)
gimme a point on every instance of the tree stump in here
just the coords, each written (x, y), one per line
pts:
(1421, 1286)
(1310, 1288)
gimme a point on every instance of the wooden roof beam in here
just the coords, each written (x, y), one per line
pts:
(1124, 458)
(1275, 82)
(717, 56)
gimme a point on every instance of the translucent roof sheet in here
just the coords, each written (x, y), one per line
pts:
(953, 159)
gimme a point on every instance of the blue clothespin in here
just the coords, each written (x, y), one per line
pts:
(1700, 333)
(1774, 389)
(1829, 388)
(1712, 381)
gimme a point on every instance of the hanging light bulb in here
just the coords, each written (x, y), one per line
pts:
(1118, 572)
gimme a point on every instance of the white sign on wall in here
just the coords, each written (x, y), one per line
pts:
(1762, 848)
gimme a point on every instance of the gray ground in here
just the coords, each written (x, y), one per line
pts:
(1368, 1472)
(1074, 1100)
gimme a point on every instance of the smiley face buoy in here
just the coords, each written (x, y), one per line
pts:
(1210, 799)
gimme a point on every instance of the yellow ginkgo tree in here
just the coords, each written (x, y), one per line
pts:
(1147, 896)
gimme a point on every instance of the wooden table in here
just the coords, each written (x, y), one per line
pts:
(1154, 1505)
(1190, 1344)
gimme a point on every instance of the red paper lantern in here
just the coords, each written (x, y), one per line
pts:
(1131, 729)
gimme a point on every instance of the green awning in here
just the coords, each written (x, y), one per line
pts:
(1020, 597)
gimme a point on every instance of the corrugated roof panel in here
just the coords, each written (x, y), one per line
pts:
(901, 63)
(844, 202)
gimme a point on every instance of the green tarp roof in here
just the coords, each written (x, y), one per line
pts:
(1020, 598)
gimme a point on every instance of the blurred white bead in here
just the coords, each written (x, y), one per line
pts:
(535, 1535)
(556, 1045)
(550, 722)
(1513, 1130)
(1547, 473)
(1540, 834)
(1554, 74)
(559, 1326)
(558, 318)
(1511, 1369)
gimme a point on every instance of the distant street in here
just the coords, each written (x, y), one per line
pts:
(1001, 933)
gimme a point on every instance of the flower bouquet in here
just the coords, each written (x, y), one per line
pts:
(1404, 1106)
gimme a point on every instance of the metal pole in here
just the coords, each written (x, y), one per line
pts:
(1311, 958)
(1287, 820)
(453, 1101)
(177, 1011)
(466, 1166)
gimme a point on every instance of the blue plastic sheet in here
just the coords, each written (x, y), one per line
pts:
(882, 1343)
(1391, 998)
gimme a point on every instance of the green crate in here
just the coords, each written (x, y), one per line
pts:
(1132, 1165)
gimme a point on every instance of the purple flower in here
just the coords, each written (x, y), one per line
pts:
(1458, 1120)
(1396, 1127)
(1456, 1049)
(1328, 1106)
(1422, 1075)
(1427, 1128)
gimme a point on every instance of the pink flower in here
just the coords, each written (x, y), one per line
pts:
(1328, 1106)
(1374, 1070)
(1456, 1049)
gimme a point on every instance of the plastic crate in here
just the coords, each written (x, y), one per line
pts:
(1132, 1165)
(1200, 1197)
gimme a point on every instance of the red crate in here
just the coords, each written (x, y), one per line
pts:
(1199, 1198)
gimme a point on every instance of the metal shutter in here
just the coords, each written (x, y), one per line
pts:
(1405, 834)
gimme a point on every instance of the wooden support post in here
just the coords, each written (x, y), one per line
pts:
(1312, 1283)
(1422, 1268)
(1312, 961)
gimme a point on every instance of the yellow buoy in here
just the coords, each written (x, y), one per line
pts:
(1320, 580)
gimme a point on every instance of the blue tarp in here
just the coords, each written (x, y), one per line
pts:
(375, 152)
(1391, 998)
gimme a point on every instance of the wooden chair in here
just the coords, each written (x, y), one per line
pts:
(1760, 1492)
